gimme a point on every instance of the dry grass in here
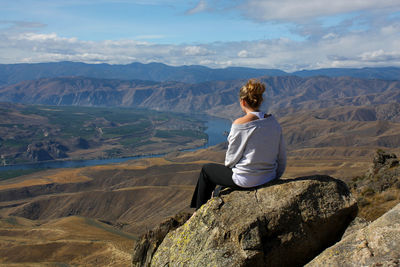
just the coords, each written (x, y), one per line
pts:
(77, 175)
(343, 169)
(373, 206)
(60, 176)
(71, 240)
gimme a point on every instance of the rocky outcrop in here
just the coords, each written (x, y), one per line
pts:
(148, 244)
(384, 174)
(286, 223)
(357, 224)
(383, 161)
(82, 143)
(377, 244)
(46, 150)
(378, 189)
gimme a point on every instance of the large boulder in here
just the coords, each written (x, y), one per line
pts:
(377, 244)
(286, 223)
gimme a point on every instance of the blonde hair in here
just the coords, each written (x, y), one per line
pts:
(252, 93)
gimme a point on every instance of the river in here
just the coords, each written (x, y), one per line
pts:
(215, 129)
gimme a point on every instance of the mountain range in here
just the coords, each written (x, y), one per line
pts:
(14, 73)
(315, 112)
(284, 94)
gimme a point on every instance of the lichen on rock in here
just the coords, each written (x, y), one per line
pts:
(148, 244)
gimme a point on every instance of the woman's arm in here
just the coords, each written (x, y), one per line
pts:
(237, 140)
(281, 159)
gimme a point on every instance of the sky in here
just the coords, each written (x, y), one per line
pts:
(277, 34)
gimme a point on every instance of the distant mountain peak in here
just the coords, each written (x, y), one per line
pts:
(156, 71)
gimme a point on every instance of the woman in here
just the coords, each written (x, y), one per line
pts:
(256, 151)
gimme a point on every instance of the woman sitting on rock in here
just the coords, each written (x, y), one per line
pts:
(256, 151)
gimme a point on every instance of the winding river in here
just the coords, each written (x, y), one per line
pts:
(215, 129)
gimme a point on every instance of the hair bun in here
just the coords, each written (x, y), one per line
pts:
(256, 88)
(252, 92)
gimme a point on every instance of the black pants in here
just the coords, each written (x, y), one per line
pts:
(210, 176)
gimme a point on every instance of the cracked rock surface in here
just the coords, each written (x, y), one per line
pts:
(286, 223)
(377, 244)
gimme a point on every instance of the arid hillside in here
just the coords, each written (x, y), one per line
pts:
(341, 127)
(289, 93)
(114, 205)
(74, 240)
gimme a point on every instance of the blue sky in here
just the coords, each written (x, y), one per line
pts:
(285, 34)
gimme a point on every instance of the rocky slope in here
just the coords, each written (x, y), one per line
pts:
(379, 188)
(377, 244)
(286, 223)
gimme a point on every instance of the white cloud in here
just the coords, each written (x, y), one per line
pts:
(243, 53)
(295, 10)
(329, 35)
(391, 29)
(200, 7)
(43, 37)
(196, 51)
(376, 46)
(380, 56)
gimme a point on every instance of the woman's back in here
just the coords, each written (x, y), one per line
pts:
(256, 152)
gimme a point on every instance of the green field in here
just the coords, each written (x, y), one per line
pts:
(4, 175)
(27, 130)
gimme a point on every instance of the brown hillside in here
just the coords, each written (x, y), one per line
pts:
(72, 240)
(287, 92)
(309, 129)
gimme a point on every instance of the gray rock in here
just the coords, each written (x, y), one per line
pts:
(357, 224)
(45, 150)
(286, 223)
(149, 242)
(377, 244)
(82, 143)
